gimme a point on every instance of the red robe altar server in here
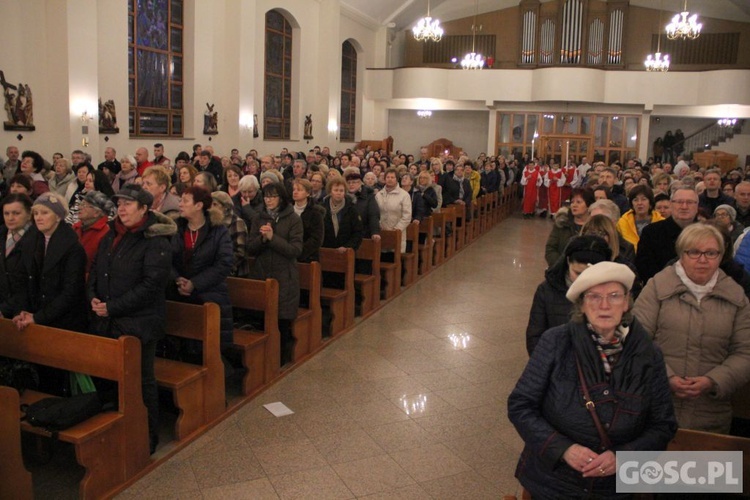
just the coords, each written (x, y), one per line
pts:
(531, 179)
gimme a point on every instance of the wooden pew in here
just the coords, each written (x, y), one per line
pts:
(339, 300)
(689, 440)
(486, 213)
(439, 227)
(460, 226)
(450, 223)
(307, 327)
(494, 208)
(15, 480)
(197, 390)
(410, 258)
(741, 402)
(426, 249)
(390, 272)
(260, 350)
(368, 284)
(112, 446)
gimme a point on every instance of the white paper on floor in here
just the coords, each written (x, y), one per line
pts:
(278, 409)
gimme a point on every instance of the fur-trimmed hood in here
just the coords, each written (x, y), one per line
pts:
(563, 218)
(162, 225)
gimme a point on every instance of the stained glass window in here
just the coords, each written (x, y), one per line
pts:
(278, 77)
(155, 79)
(348, 92)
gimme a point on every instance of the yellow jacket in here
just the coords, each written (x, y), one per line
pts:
(626, 226)
(476, 183)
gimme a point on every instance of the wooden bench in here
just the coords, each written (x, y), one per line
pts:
(410, 258)
(368, 284)
(307, 327)
(450, 231)
(197, 390)
(689, 440)
(426, 249)
(460, 226)
(439, 220)
(260, 350)
(340, 301)
(112, 446)
(390, 272)
(15, 480)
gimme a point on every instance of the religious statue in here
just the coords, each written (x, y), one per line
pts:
(18, 105)
(108, 117)
(308, 127)
(255, 126)
(210, 120)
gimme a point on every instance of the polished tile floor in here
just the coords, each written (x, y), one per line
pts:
(410, 404)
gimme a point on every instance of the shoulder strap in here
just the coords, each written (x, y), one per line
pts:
(591, 407)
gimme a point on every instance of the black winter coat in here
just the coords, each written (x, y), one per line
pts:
(429, 200)
(207, 268)
(55, 292)
(550, 307)
(12, 272)
(369, 211)
(490, 181)
(277, 259)
(548, 410)
(350, 226)
(312, 232)
(417, 204)
(249, 211)
(656, 247)
(132, 280)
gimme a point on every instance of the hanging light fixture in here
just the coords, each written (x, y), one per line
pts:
(427, 28)
(684, 25)
(424, 113)
(727, 122)
(472, 60)
(656, 62)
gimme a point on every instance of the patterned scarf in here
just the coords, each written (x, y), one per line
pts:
(609, 350)
(335, 209)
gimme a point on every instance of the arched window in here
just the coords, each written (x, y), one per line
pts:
(278, 77)
(155, 59)
(348, 92)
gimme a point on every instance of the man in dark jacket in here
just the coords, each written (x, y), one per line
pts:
(127, 285)
(366, 204)
(656, 246)
(457, 189)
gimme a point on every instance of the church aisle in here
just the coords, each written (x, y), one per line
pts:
(410, 404)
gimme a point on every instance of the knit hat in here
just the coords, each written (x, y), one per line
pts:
(222, 199)
(603, 272)
(728, 209)
(134, 192)
(99, 200)
(54, 202)
(588, 249)
(270, 174)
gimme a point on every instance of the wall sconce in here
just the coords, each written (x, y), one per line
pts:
(333, 128)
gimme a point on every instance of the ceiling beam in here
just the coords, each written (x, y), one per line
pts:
(398, 11)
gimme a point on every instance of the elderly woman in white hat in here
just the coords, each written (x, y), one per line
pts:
(592, 386)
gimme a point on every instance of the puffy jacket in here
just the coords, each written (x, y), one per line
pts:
(207, 268)
(395, 211)
(549, 413)
(350, 226)
(710, 338)
(628, 230)
(277, 258)
(558, 238)
(550, 307)
(368, 211)
(132, 280)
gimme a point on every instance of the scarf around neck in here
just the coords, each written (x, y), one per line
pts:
(335, 209)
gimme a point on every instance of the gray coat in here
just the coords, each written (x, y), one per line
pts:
(277, 259)
(710, 338)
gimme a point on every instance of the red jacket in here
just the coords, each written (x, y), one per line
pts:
(91, 237)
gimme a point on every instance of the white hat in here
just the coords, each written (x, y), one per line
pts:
(603, 272)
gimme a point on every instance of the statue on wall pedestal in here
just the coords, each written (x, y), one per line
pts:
(308, 127)
(108, 117)
(255, 126)
(18, 106)
(210, 120)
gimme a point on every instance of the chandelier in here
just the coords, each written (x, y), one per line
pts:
(427, 28)
(424, 113)
(684, 25)
(655, 62)
(727, 122)
(473, 60)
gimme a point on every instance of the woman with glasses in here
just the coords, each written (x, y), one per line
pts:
(593, 385)
(700, 318)
(275, 240)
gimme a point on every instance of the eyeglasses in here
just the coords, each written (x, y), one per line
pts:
(697, 254)
(723, 215)
(613, 299)
(684, 202)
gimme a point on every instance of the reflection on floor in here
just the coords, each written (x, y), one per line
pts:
(410, 404)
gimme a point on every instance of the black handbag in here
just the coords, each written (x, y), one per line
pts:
(57, 414)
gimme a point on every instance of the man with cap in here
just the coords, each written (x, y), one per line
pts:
(127, 283)
(365, 200)
(93, 222)
(602, 351)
